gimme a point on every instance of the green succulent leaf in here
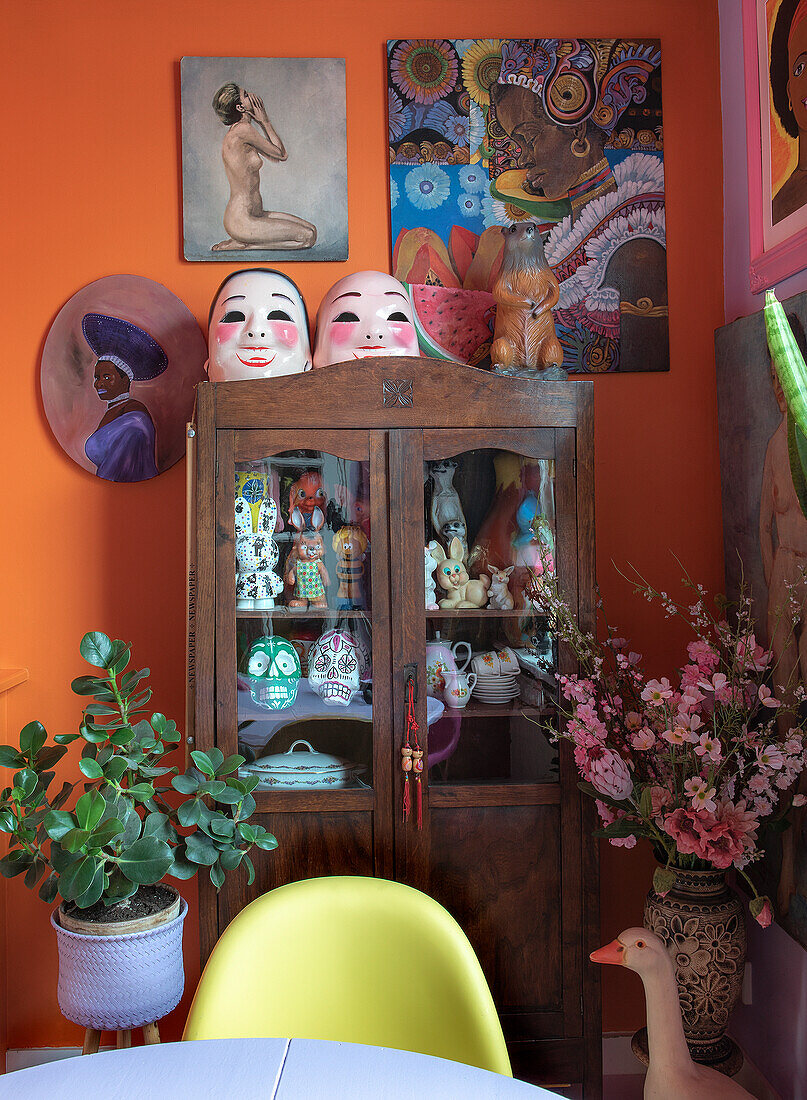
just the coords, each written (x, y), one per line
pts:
(15, 863)
(213, 787)
(181, 867)
(146, 861)
(59, 800)
(115, 768)
(35, 872)
(203, 763)
(222, 826)
(190, 813)
(230, 764)
(105, 833)
(91, 768)
(8, 822)
(118, 888)
(94, 891)
(187, 783)
(95, 735)
(32, 737)
(75, 840)
(65, 738)
(60, 860)
(217, 875)
(96, 649)
(49, 888)
(201, 849)
(268, 842)
(49, 756)
(250, 866)
(230, 859)
(141, 791)
(77, 878)
(90, 809)
(26, 781)
(246, 832)
(10, 757)
(122, 736)
(87, 685)
(58, 823)
(228, 796)
(159, 825)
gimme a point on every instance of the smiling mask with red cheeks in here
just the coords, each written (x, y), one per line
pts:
(364, 314)
(258, 328)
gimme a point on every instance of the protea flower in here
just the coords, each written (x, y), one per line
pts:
(609, 773)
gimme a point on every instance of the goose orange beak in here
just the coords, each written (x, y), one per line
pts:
(612, 952)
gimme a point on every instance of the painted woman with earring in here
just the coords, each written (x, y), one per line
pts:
(788, 72)
(562, 161)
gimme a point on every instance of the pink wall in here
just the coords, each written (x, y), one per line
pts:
(773, 1029)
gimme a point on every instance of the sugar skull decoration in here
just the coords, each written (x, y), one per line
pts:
(367, 313)
(335, 666)
(273, 669)
(256, 553)
(258, 328)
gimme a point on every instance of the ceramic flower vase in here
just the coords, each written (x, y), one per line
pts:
(702, 923)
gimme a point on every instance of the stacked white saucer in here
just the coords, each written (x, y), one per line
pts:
(496, 688)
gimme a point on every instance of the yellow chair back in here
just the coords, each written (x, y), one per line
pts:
(357, 960)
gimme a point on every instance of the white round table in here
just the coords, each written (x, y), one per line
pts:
(272, 1069)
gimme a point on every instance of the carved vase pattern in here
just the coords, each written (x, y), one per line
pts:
(701, 920)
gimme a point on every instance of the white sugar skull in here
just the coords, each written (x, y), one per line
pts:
(334, 667)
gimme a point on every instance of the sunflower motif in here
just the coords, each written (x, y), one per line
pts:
(481, 66)
(427, 186)
(508, 213)
(424, 70)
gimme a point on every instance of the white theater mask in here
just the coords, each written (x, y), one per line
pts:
(367, 313)
(258, 328)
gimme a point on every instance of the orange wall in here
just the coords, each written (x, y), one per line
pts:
(92, 188)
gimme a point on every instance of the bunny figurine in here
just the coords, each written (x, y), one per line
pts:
(500, 598)
(431, 584)
(256, 555)
(305, 569)
(452, 575)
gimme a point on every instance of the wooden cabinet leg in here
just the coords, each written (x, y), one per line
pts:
(151, 1034)
(124, 1039)
(92, 1040)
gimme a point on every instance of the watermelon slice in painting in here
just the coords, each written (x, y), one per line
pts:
(454, 324)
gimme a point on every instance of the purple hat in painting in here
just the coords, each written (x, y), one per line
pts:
(130, 348)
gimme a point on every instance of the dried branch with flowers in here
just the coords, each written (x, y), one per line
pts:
(695, 765)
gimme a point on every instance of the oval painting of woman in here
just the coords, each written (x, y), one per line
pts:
(119, 372)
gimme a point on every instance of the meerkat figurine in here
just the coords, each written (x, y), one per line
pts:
(525, 342)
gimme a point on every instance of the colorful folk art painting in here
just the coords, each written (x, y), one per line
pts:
(484, 133)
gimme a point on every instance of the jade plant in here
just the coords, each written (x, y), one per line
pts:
(136, 819)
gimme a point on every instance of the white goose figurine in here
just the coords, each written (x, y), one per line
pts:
(671, 1074)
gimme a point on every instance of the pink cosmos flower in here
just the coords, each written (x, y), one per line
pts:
(752, 656)
(623, 841)
(694, 787)
(716, 684)
(770, 756)
(766, 697)
(703, 797)
(643, 739)
(632, 720)
(657, 691)
(709, 747)
(675, 736)
(608, 773)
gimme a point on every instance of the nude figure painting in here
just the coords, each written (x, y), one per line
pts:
(765, 540)
(264, 158)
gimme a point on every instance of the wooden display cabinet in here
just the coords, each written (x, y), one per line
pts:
(505, 842)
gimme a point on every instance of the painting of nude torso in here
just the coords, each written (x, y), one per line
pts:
(264, 158)
(567, 133)
(765, 543)
(119, 371)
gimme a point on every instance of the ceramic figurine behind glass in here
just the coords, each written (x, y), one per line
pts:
(258, 328)
(500, 597)
(367, 313)
(256, 555)
(273, 668)
(431, 564)
(452, 576)
(351, 545)
(448, 518)
(305, 569)
(307, 502)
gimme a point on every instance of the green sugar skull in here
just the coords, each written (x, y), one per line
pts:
(274, 673)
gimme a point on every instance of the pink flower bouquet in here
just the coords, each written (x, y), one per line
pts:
(695, 764)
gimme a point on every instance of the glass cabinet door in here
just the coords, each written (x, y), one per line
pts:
(490, 541)
(296, 599)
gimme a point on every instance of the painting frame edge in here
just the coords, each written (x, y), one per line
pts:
(767, 266)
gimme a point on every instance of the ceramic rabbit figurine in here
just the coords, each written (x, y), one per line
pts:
(431, 584)
(305, 569)
(452, 575)
(256, 556)
(499, 596)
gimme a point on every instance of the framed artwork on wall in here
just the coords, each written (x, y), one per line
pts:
(775, 58)
(485, 133)
(765, 543)
(264, 158)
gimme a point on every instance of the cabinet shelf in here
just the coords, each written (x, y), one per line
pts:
(484, 613)
(512, 709)
(314, 613)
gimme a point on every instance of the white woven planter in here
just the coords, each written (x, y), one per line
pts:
(113, 983)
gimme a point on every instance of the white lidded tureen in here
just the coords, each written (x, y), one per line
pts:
(292, 770)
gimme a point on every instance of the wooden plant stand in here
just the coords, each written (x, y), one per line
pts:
(92, 1038)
